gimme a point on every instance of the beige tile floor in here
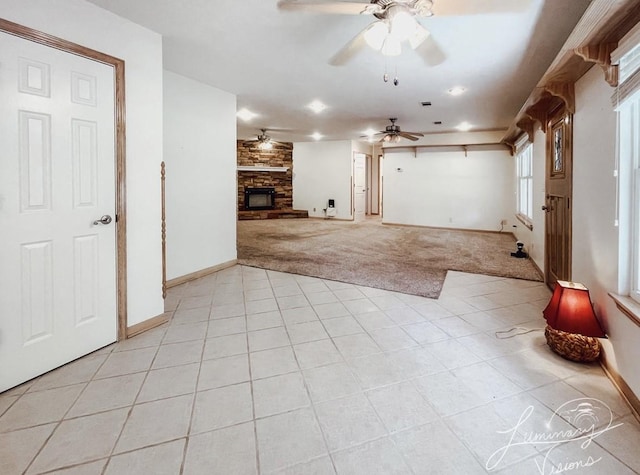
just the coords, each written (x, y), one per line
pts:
(266, 372)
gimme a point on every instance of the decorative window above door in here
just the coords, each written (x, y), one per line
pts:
(560, 134)
(558, 163)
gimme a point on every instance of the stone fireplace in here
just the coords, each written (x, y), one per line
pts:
(265, 185)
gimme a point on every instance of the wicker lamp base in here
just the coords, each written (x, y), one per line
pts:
(572, 346)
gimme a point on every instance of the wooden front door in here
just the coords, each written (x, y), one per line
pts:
(558, 186)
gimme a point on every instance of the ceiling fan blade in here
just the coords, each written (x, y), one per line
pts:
(407, 135)
(352, 48)
(427, 47)
(478, 7)
(340, 8)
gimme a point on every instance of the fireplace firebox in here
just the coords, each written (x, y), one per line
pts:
(259, 198)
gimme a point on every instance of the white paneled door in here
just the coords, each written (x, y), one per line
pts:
(359, 186)
(57, 267)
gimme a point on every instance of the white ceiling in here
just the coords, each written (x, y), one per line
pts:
(276, 62)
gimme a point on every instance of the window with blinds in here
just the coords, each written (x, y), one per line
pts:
(524, 171)
(626, 100)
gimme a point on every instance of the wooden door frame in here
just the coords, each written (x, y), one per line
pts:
(45, 39)
(368, 165)
(565, 118)
(380, 184)
(375, 180)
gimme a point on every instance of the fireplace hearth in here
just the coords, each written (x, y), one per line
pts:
(259, 198)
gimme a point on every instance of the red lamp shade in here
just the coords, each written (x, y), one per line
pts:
(570, 310)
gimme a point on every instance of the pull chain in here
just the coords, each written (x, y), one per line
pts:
(385, 77)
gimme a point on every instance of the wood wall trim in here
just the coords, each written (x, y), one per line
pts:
(353, 191)
(604, 22)
(565, 91)
(163, 232)
(601, 55)
(444, 228)
(539, 110)
(621, 385)
(527, 125)
(627, 306)
(201, 273)
(142, 327)
(120, 146)
(466, 148)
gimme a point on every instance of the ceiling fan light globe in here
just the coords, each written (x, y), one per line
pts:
(391, 46)
(376, 34)
(403, 23)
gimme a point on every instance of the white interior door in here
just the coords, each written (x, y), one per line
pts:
(58, 297)
(359, 186)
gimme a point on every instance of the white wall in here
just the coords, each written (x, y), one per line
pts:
(447, 189)
(141, 49)
(595, 237)
(322, 170)
(200, 158)
(533, 239)
(362, 147)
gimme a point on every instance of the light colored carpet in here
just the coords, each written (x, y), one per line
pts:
(412, 260)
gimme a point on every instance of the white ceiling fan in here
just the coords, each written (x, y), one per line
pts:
(397, 22)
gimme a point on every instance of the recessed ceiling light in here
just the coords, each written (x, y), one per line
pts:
(464, 126)
(246, 115)
(369, 133)
(317, 106)
(316, 136)
(456, 91)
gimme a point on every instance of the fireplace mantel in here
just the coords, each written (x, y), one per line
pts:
(263, 169)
